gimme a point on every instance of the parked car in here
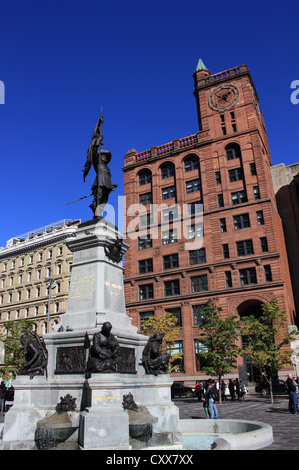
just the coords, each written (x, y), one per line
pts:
(279, 387)
(179, 390)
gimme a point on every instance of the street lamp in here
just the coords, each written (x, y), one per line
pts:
(50, 286)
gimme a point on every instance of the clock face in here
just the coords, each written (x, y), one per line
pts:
(224, 97)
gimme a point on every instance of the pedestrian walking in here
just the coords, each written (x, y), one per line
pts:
(231, 388)
(210, 396)
(237, 385)
(293, 394)
(2, 396)
(223, 388)
(198, 391)
(243, 390)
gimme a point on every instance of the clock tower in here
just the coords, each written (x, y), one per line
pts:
(227, 102)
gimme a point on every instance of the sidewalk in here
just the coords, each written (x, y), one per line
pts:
(257, 408)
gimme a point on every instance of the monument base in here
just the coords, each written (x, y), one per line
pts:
(103, 423)
(96, 296)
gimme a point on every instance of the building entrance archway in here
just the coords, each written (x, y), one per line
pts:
(248, 372)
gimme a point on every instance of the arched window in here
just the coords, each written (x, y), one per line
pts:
(232, 151)
(167, 170)
(250, 307)
(145, 177)
(191, 163)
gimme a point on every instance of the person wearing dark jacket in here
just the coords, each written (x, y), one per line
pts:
(209, 397)
(293, 394)
(2, 396)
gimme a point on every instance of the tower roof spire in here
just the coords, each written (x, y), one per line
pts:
(200, 66)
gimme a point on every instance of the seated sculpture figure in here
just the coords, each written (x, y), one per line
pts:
(153, 360)
(36, 355)
(104, 352)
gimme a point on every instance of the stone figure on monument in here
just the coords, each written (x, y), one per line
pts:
(36, 355)
(99, 159)
(153, 360)
(104, 352)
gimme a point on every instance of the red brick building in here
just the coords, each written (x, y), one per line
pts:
(209, 227)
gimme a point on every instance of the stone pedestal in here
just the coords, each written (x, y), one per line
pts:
(96, 296)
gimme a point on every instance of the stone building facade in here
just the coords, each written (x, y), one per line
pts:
(28, 264)
(202, 220)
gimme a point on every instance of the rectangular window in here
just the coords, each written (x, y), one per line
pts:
(144, 243)
(199, 283)
(175, 348)
(143, 316)
(220, 200)
(168, 193)
(225, 250)
(168, 171)
(264, 244)
(218, 177)
(194, 208)
(239, 197)
(145, 178)
(268, 273)
(146, 198)
(145, 266)
(191, 164)
(197, 314)
(248, 276)
(222, 225)
(200, 361)
(193, 186)
(176, 312)
(171, 261)
(256, 192)
(197, 256)
(260, 218)
(145, 219)
(172, 287)
(241, 221)
(235, 175)
(252, 169)
(245, 248)
(146, 291)
(169, 237)
(170, 214)
(228, 279)
(195, 231)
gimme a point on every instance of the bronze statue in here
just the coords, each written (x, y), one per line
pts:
(36, 355)
(153, 360)
(102, 185)
(104, 352)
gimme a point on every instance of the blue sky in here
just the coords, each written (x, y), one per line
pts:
(61, 61)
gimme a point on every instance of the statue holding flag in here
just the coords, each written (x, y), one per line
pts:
(99, 159)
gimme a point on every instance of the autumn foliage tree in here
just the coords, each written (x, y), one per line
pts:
(267, 338)
(218, 338)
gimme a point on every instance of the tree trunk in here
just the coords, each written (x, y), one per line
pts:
(219, 381)
(271, 390)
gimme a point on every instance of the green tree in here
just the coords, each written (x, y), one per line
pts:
(165, 324)
(267, 338)
(14, 353)
(218, 338)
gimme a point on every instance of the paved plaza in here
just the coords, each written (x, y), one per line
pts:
(256, 408)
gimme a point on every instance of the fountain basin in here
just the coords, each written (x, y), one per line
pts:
(222, 434)
(230, 434)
